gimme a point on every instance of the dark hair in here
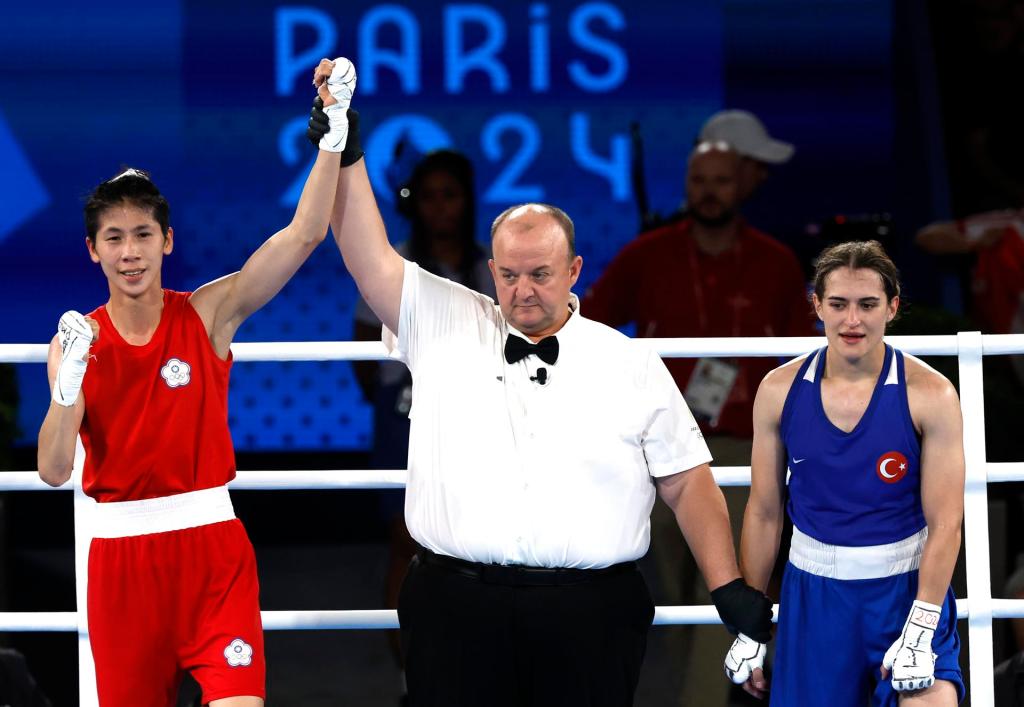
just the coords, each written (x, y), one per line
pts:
(857, 255)
(420, 239)
(556, 213)
(130, 185)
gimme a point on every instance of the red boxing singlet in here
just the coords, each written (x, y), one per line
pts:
(156, 416)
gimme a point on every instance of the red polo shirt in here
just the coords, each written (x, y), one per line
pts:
(664, 284)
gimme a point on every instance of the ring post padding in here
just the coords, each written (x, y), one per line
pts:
(87, 695)
(979, 585)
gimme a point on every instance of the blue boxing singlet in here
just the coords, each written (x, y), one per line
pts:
(855, 488)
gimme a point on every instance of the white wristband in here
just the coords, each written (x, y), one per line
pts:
(910, 657)
(337, 133)
(75, 337)
(341, 84)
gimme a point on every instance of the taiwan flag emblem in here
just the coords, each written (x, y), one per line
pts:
(891, 467)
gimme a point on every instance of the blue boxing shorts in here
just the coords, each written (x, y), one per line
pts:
(833, 633)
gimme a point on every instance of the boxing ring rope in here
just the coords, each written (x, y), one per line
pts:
(979, 609)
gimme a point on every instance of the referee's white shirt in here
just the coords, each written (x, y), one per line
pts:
(505, 470)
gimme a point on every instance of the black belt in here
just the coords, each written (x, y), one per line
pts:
(518, 575)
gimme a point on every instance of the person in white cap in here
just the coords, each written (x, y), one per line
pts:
(747, 135)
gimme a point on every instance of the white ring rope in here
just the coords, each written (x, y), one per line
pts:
(969, 347)
(325, 619)
(944, 345)
(338, 479)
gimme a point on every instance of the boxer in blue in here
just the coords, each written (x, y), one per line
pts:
(870, 442)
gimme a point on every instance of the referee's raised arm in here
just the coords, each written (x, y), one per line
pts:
(359, 232)
(355, 220)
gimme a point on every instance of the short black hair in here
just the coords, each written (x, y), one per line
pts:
(129, 185)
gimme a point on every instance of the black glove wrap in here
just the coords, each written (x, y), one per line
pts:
(318, 123)
(320, 126)
(744, 610)
(353, 151)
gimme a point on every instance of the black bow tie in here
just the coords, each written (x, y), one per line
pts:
(517, 349)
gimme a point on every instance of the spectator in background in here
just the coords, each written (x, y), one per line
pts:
(439, 201)
(710, 274)
(1009, 676)
(706, 276)
(1009, 681)
(751, 141)
(18, 687)
(995, 243)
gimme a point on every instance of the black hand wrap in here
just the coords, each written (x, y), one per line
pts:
(319, 126)
(353, 151)
(744, 610)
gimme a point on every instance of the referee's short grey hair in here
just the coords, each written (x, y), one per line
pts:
(556, 213)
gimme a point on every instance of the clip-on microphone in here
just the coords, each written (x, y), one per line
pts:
(541, 377)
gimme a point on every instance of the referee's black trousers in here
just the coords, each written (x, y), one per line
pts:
(487, 642)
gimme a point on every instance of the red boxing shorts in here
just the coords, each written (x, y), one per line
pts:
(166, 602)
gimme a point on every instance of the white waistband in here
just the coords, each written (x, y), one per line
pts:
(122, 519)
(867, 562)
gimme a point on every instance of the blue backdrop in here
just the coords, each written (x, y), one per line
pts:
(212, 99)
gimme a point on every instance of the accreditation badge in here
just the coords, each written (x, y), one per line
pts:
(709, 387)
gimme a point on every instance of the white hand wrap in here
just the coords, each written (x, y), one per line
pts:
(342, 84)
(744, 655)
(75, 336)
(910, 658)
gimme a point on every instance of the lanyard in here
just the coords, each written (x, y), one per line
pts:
(698, 290)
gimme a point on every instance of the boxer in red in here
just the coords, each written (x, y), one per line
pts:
(144, 380)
